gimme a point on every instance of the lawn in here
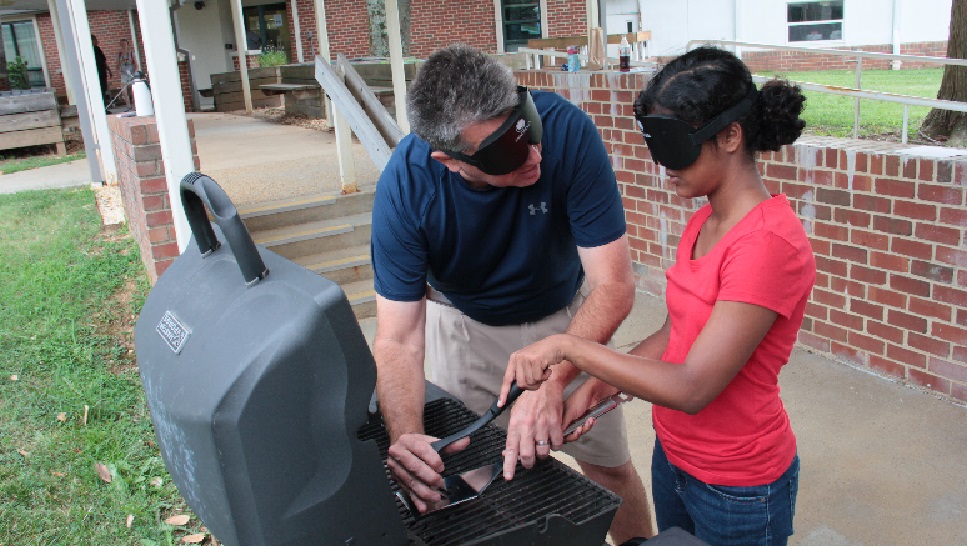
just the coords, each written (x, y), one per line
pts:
(32, 157)
(832, 115)
(79, 464)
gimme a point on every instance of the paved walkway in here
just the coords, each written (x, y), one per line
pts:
(882, 464)
(63, 175)
(254, 160)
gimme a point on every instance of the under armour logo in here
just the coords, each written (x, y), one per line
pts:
(542, 208)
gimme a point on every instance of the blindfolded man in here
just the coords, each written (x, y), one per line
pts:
(496, 223)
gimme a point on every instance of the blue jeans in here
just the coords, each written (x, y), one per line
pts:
(724, 515)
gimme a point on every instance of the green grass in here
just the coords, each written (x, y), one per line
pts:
(58, 309)
(832, 115)
(12, 165)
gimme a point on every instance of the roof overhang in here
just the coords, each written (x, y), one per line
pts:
(7, 6)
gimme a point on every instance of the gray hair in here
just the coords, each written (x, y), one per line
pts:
(458, 85)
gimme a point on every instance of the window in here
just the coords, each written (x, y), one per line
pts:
(20, 40)
(522, 22)
(812, 21)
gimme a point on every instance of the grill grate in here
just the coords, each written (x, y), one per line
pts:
(549, 488)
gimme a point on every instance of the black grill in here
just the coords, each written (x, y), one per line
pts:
(550, 504)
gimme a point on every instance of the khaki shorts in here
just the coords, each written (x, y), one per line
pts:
(468, 359)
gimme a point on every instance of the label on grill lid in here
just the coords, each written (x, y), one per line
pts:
(174, 333)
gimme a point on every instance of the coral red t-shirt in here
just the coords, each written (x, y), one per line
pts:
(743, 437)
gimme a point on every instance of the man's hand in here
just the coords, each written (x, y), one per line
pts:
(534, 428)
(418, 468)
(580, 401)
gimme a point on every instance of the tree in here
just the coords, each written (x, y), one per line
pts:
(950, 125)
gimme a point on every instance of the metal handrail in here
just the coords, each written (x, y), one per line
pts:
(841, 52)
(858, 93)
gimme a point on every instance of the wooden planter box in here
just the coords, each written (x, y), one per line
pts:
(227, 89)
(30, 118)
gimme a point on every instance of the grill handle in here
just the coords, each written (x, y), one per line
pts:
(487, 417)
(199, 191)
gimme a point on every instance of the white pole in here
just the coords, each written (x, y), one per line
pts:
(78, 14)
(396, 63)
(169, 106)
(344, 133)
(241, 46)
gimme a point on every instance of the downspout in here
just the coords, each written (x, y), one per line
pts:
(134, 40)
(896, 35)
(58, 39)
(297, 31)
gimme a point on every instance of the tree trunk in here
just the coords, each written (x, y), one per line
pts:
(947, 124)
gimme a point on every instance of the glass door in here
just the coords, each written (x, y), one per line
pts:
(266, 27)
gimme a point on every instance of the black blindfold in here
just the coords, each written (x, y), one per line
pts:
(507, 148)
(676, 144)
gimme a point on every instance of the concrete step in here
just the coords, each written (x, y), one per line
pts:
(362, 297)
(341, 266)
(272, 215)
(299, 241)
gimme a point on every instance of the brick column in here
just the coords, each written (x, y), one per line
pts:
(144, 189)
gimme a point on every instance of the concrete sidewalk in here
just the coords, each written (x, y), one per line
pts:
(63, 175)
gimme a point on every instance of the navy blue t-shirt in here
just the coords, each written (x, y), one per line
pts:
(502, 256)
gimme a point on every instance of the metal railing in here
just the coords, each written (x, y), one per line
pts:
(533, 57)
(858, 93)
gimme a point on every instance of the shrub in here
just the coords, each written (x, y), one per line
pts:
(272, 56)
(17, 70)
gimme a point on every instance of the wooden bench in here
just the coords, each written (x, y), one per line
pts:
(30, 118)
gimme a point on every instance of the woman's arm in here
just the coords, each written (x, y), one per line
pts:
(731, 334)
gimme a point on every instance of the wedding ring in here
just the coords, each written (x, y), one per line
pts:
(543, 443)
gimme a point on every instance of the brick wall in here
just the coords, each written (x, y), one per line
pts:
(566, 18)
(348, 24)
(435, 24)
(795, 61)
(888, 229)
(432, 25)
(144, 189)
(252, 61)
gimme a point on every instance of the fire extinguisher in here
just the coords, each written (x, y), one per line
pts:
(142, 95)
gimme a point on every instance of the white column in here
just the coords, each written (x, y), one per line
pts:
(169, 106)
(82, 32)
(344, 134)
(241, 47)
(396, 63)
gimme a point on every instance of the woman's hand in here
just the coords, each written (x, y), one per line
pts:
(531, 366)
